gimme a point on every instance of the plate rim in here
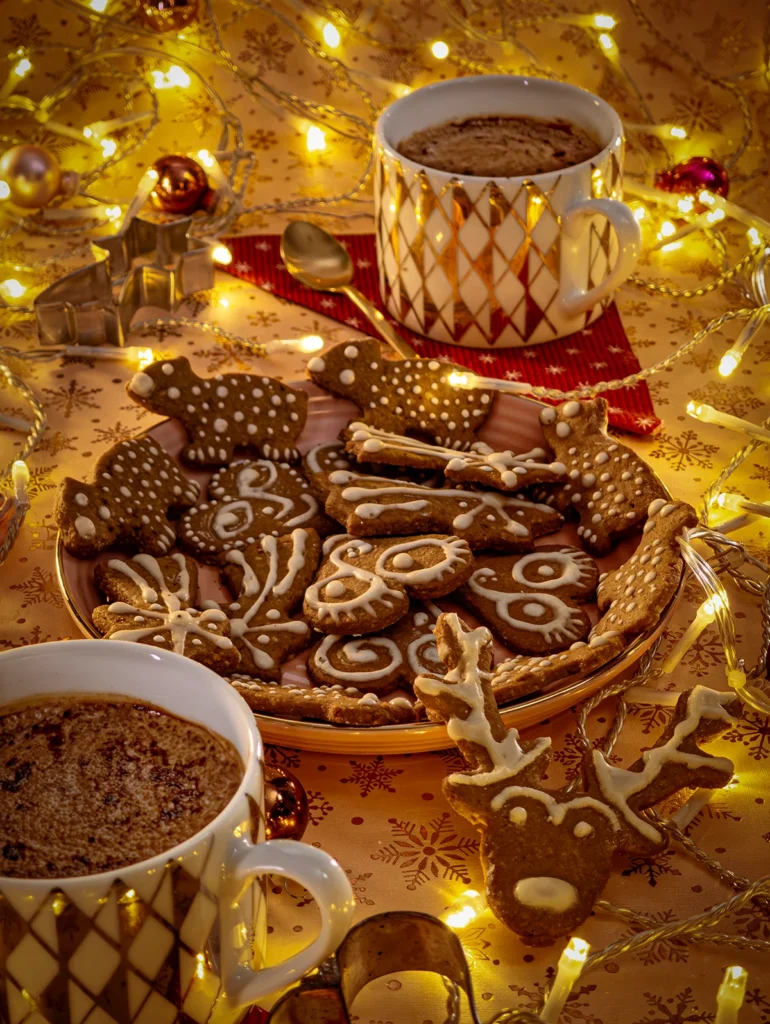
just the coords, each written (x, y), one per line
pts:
(587, 684)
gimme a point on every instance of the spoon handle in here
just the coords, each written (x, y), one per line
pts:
(375, 317)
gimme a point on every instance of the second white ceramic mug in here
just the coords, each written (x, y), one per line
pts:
(507, 261)
(179, 937)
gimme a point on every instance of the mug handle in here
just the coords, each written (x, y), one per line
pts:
(576, 300)
(327, 883)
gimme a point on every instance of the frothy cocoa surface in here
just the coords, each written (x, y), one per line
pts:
(494, 146)
(90, 785)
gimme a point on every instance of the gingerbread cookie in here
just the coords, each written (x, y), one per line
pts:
(268, 580)
(125, 501)
(547, 855)
(322, 460)
(634, 597)
(362, 585)
(530, 602)
(373, 506)
(608, 484)
(413, 395)
(254, 499)
(522, 675)
(151, 602)
(381, 662)
(505, 471)
(223, 412)
(328, 703)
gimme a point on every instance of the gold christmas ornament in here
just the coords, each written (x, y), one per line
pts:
(167, 15)
(32, 174)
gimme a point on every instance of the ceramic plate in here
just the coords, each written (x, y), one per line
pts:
(512, 424)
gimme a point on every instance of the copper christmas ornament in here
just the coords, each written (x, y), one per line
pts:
(286, 808)
(32, 174)
(167, 15)
(182, 186)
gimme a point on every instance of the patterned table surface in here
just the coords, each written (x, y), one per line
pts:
(385, 818)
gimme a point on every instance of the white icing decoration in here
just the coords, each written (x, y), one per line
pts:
(376, 589)
(141, 384)
(220, 425)
(582, 829)
(85, 527)
(553, 895)
(547, 416)
(359, 651)
(564, 623)
(455, 552)
(316, 365)
(81, 499)
(574, 567)
(570, 409)
(347, 377)
(350, 352)
(563, 429)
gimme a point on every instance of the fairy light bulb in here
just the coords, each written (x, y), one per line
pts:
(754, 237)
(567, 972)
(222, 255)
(22, 68)
(604, 21)
(728, 364)
(639, 213)
(206, 158)
(685, 204)
(731, 994)
(666, 229)
(5, 190)
(677, 133)
(174, 77)
(100, 6)
(465, 909)
(331, 35)
(311, 343)
(109, 147)
(606, 41)
(315, 139)
(142, 357)
(439, 49)
(12, 289)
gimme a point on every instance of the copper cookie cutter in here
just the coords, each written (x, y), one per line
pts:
(384, 944)
(79, 308)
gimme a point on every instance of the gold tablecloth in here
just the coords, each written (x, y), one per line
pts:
(384, 817)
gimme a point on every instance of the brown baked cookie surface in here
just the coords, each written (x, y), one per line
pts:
(364, 585)
(151, 601)
(505, 471)
(375, 506)
(252, 500)
(126, 501)
(413, 395)
(633, 597)
(522, 675)
(531, 602)
(607, 483)
(381, 662)
(223, 412)
(268, 581)
(327, 703)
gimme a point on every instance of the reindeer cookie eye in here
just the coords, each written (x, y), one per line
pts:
(518, 815)
(582, 829)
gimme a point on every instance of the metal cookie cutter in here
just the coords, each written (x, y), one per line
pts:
(380, 945)
(79, 308)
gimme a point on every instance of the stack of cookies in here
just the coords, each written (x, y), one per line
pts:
(347, 554)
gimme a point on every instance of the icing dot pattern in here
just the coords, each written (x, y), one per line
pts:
(392, 393)
(125, 501)
(223, 412)
(606, 483)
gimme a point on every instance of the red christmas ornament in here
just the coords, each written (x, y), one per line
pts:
(182, 186)
(256, 1016)
(694, 175)
(286, 806)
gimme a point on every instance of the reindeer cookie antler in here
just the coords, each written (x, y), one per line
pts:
(547, 855)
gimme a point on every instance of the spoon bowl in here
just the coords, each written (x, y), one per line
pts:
(315, 257)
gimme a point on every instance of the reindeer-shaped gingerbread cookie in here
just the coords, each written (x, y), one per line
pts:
(547, 855)
(223, 412)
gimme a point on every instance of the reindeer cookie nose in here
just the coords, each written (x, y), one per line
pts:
(545, 893)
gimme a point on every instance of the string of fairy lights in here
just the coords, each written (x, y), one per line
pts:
(156, 52)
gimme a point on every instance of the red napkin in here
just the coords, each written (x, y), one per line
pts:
(600, 352)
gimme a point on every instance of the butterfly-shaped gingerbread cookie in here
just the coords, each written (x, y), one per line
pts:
(380, 662)
(223, 412)
(607, 484)
(151, 602)
(532, 602)
(252, 500)
(547, 854)
(268, 580)
(414, 396)
(373, 506)
(365, 585)
(505, 471)
(126, 501)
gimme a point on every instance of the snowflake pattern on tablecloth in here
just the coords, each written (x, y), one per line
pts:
(40, 588)
(575, 1009)
(373, 774)
(425, 851)
(754, 733)
(318, 806)
(684, 451)
(653, 868)
(678, 1009)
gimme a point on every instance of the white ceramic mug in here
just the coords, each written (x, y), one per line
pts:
(179, 937)
(504, 261)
